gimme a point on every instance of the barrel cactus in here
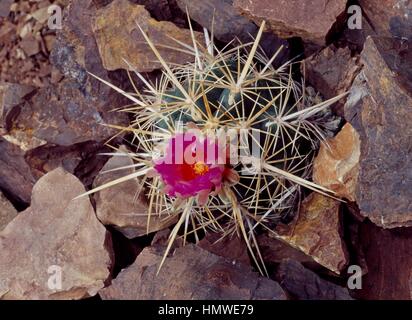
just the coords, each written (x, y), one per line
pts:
(225, 143)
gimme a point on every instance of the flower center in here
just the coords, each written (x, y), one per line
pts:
(200, 168)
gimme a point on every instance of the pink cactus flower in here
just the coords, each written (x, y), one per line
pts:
(192, 166)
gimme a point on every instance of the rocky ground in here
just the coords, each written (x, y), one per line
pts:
(51, 136)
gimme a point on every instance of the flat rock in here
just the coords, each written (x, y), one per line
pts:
(16, 177)
(317, 232)
(7, 211)
(380, 109)
(391, 18)
(190, 273)
(336, 166)
(118, 37)
(55, 231)
(311, 20)
(304, 284)
(331, 71)
(118, 205)
(64, 115)
(227, 21)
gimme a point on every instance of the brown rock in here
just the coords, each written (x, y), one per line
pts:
(336, 166)
(25, 140)
(118, 37)
(164, 10)
(81, 159)
(229, 247)
(161, 238)
(64, 115)
(11, 97)
(30, 46)
(41, 14)
(391, 18)
(388, 260)
(311, 20)
(118, 205)
(379, 108)
(274, 251)
(7, 212)
(15, 174)
(190, 273)
(228, 23)
(54, 231)
(304, 284)
(317, 232)
(331, 72)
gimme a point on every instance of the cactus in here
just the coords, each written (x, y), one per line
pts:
(273, 124)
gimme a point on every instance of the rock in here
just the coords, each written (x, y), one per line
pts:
(41, 14)
(75, 49)
(391, 18)
(5, 7)
(74, 55)
(24, 139)
(331, 72)
(295, 18)
(304, 284)
(118, 37)
(75, 159)
(118, 205)
(64, 115)
(317, 232)
(15, 174)
(161, 238)
(12, 95)
(336, 166)
(229, 247)
(228, 23)
(30, 46)
(190, 273)
(379, 108)
(388, 260)
(55, 232)
(164, 10)
(274, 251)
(7, 211)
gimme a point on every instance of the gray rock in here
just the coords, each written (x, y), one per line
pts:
(228, 22)
(15, 175)
(379, 108)
(311, 20)
(7, 211)
(189, 273)
(304, 284)
(56, 236)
